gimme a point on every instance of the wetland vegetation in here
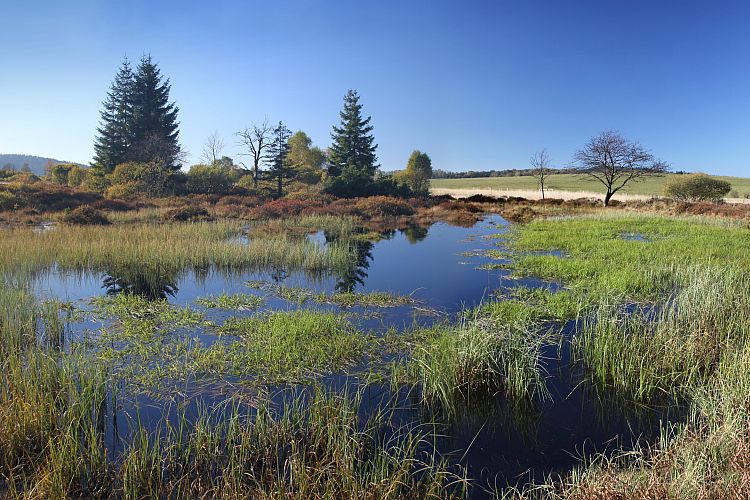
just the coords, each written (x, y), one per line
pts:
(256, 374)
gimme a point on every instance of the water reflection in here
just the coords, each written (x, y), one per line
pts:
(415, 233)
(356, 273)
(153, 284)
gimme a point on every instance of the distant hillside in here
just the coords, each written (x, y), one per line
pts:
(35, 163)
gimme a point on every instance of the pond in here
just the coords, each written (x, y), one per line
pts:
(441, 269)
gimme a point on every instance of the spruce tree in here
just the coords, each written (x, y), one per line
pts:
(353, 152)
(154, 127)
(280, 169)
(114, 135)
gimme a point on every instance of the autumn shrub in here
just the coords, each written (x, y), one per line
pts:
(85, 215)
(243, 201)
(383, 206)
(9, 201)
(115, 205)
(187, 214)
(282, 207)
(124, 191)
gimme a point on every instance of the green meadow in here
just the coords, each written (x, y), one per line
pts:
(652, 186)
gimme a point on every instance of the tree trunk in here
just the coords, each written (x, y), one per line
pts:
(607, 197)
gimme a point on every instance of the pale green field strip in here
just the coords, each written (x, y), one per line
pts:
(573, 182)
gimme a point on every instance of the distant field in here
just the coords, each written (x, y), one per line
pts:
(576, 183)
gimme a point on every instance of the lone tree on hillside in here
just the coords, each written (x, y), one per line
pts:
(614, 161)
(352, 162)
(258, 141)
(540, 168)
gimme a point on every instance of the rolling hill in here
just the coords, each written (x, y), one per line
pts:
(35, 163)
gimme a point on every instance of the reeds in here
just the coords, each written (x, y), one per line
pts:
(478, 359)
(163, 248)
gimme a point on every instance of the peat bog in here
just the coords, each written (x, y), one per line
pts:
(485, 360)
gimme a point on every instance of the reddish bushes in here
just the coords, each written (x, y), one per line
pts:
(382, 206)
(85, 216)
(115, 205)
(187, 214)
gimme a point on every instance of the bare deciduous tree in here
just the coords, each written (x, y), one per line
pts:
(258, 141)
(540, 168)
(212, 148)
(615, 161)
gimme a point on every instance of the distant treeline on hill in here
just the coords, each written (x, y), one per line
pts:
(513, 172)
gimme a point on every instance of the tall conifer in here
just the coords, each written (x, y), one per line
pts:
(154, 126)
(114, 134)
(353, 149)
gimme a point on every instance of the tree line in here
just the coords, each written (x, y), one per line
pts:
(137, 151)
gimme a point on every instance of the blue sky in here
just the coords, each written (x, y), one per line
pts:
(477, 85)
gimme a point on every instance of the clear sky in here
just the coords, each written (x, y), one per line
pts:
(477, 85)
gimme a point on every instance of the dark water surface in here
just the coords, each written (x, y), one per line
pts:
(439, 267)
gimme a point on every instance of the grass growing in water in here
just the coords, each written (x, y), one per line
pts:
(162, 248)
(674, 344)
(287, 345)
(476, 359)
(237, 302)
(671, 316)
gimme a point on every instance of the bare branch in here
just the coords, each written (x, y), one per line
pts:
(212, 148)
(257, 140)
(540, 168)
(614, 161)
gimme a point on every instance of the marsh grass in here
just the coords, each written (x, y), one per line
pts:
(599, 263)
(478, 359)
(666, 317)
(286, 344)
(315, 446)
(672, 345)
(237, 302)
(163, 249)
(300, 295)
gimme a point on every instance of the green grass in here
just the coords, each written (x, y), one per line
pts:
(287, 345)
(572, 182)
(598, 261)
(162, 249)
(664, 317)
(463, 365)
(237, 302)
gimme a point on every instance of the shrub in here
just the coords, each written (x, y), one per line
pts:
(208, 179)
(152, 179)
(85, 215)
(9, 201)
(383, 206)
(696, 187)
(114, 205)
(187, 214)
(124, 191)
(282, 207)
(76, 176)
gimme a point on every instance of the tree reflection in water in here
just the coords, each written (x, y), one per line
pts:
(153, 284)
